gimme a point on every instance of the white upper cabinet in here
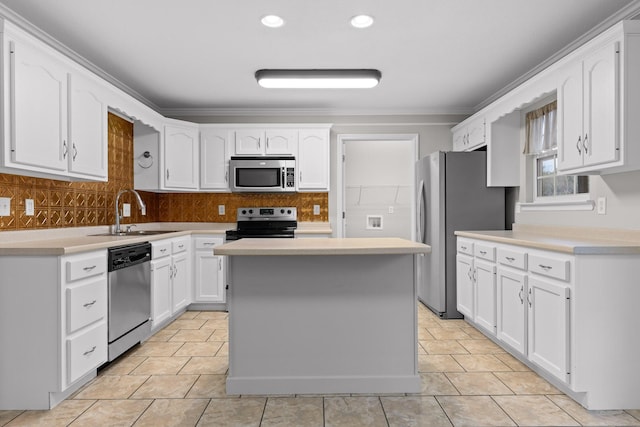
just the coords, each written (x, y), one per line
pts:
(469, 136)
(258, 142)
(37, 110)
(88, 133)
(181, 155)
(313, 160)
(54, 113)
(214, 158)
(589, 110)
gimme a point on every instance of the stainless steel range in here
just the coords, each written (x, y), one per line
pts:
(275, 222)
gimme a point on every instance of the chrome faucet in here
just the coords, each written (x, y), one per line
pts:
(143, 207)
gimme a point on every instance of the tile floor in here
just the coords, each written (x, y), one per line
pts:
(177, 378)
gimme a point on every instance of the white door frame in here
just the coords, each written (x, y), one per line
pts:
(343, 139)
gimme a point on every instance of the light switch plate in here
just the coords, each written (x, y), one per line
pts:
(602, 206)
(5, 206)
(221, 210)
(316, 209)
(391, 209)
(29, 207)
(126, 209)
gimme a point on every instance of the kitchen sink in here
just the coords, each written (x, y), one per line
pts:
(136, 233)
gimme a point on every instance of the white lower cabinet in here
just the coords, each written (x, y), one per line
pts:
(170, 278)
(511, 308)
(58, 347)
(464, 285)
(485, 295)
(208, 271)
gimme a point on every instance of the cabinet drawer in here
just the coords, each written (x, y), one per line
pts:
(551, 267)
(180, 245)
(484, 251)
(81, 267)
(512, 258)
(86, 351)
(160, 249)
(86, 304)
(208, 242)
(465, 246)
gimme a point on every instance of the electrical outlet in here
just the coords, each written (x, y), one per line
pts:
(221, 210)
(29, 207)
(602, 206)
(316, 209)
(126, 209)
(5, 206)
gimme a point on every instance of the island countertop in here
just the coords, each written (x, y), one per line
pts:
(329, 246)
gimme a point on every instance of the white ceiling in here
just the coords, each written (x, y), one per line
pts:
(436, 56)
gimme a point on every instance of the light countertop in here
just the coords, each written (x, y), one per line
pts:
(566, 239)
(329, 246)
(63, 241)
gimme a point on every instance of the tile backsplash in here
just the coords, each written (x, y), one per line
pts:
(78, 204)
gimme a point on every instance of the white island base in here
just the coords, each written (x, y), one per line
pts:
(320, 324)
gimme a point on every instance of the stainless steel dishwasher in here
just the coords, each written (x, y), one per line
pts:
(129, 297)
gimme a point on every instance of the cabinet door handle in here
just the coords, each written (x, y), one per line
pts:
(475, 275)
(175, 268)
(219, 264)
(469, 274)
(578, 145)
(585, 144)
(267, 139)
(89, 268)
(75, 151)
(510, 258)
(529, 297)
(545, 267)
(520, 295)
(88, 352)
(300, 176)
(167, 174)
(259, 142)
(226, 176)
(89, 304)
(64, 149)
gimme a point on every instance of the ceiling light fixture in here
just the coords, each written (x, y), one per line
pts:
(318, 79)
(362, 21)
(272, 21)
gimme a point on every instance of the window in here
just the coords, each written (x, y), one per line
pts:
(541, 145)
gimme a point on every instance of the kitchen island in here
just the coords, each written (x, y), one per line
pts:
(318, 316)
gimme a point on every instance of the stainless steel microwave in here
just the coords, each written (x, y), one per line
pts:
(262, 174)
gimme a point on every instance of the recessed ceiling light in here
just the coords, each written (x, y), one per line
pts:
(272, 21)
(318, 79)
(361, 21)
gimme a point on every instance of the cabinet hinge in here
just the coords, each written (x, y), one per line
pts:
(344, 215)
(343, 158)
(227, 287)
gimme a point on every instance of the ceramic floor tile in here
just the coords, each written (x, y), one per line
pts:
(534, 411)
(157, 349)
(219, 335)
(593, 418)
(6, 416)
(474, 411)
(424, 335)
(477, 383)
(353, 412)
(165, 387)
(246, 412)
(189, 315)
(200, 348)
(123, 366)
(451, 323)
(172, 412)
(635, 413)
(436, 384)
(512, 362)
(112, 387)
(224, 350)
(191, 335)
(185, 324)
(473, 333)
(163, 335)
(206, 365)
(160, 366)
(438, 363)
(480, 362)
(443, 347)
(299, 412)
(484, 346)
(526, 383)
(61, 415)
(216, 324)
(414, 411)
(112, 413)
(212, 315)
(441, 333)
(209, 386)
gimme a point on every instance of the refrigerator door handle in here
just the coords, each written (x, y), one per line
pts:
(422, 210)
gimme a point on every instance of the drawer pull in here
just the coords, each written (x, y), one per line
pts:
(464, 248)
(208, 244)
(545, 267)
(89, 268)
(483, 252)
(163, 250)
(88, 352)
(89, 304)
(510, 258)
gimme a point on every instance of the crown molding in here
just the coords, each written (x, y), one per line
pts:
(631, 11)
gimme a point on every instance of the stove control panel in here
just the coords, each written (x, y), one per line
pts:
(268, 214)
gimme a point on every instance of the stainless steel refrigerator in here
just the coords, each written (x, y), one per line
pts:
(452, 195)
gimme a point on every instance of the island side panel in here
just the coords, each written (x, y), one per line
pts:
(322, 324)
